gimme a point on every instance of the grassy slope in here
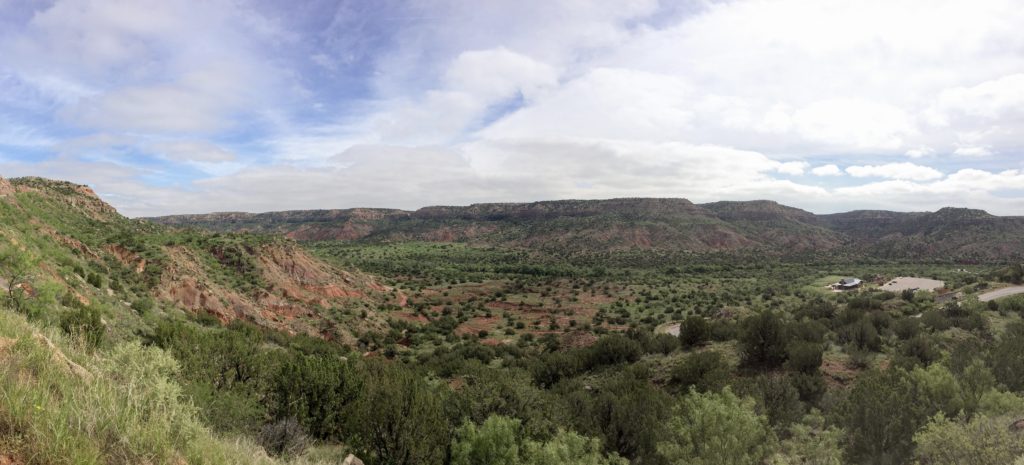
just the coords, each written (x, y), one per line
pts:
(77, 246)
(120, 406)
(67, 400)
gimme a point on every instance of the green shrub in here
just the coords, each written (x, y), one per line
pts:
(284, 438)
(694, 331)
(315, 391)
(702, 371)
(763, 341)
(716, 429)
(1007, 357)
(143, 305)
(398, 418)
(984, 440)
(86, 324)
(776, 397)
(804, 357)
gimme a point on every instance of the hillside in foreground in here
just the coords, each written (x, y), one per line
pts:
(586, 226)
(88, 254)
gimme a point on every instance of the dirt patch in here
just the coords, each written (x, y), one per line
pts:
(128, 258)
(838, 371)
(410, 317)
(577, 339)
(904, 283)
(477, 324)
(670, 329)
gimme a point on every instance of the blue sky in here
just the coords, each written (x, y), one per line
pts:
(168, 106)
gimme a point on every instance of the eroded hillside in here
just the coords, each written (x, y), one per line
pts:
(85, 252)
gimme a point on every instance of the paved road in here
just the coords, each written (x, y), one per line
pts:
(1004, 292)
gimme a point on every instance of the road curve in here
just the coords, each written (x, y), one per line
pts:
(1004, 292)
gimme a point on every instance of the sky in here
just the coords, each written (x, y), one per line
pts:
(174, 106)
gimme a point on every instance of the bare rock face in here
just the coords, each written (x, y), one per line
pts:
(352, 460)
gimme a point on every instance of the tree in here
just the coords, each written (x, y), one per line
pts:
(495, 442)
(1008, 357)
(763, 341)
(716, 429)
(776, 397)
(920, 349)
(975, 381)
(810, 443)
(862, 335)
(499, 441)
(315, 390)
(399, 419)
(626, 413)
(937, 391)
(568, 448)
(703, 371)
(694, 331)
(880, 416)
(984, 440)
(509, 392)
(804, 357)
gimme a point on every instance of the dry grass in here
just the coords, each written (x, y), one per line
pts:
(126, 410)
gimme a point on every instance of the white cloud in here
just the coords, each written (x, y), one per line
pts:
(920, 152)
(902, 171)
(192, 150)
(793, 168)
(511, 100)
(605, 103)
(827, 170)
(834, 76)
(853, 123)
(473, 83)
(509, 170)
(965, 188)
(147, 66)
(990, 99)
(165, 108)
(973, 151)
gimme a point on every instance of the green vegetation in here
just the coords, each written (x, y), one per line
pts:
(127, 342)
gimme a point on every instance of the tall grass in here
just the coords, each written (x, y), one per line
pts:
(128, 410)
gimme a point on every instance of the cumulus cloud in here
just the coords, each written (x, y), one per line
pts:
(990, 99)
(964, 188)
(403, 103)
(908, 171)
(793, 168)
(973, 151)
(853, 123)
(920, 152)
(827, 170)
